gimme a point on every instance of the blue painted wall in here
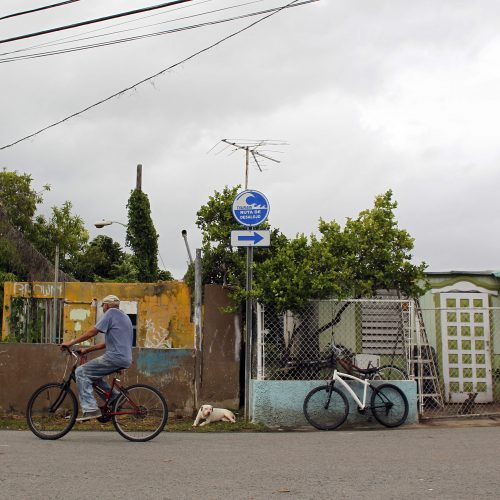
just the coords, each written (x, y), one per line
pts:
(159, 361)
(278, 403)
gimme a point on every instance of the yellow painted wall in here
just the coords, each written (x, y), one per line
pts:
(163, 309)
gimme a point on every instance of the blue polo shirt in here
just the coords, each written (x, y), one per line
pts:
(118, 330)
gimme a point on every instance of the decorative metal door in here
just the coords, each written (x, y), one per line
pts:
(465, 331)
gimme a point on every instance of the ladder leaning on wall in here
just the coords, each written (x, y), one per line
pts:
(422, 363)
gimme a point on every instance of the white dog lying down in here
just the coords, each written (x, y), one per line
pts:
(211, 414)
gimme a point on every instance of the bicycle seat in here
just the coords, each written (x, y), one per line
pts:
(367, 371)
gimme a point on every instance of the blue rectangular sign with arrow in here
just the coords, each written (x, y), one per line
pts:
(250, 238)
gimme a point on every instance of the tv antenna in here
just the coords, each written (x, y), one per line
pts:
(254, 151)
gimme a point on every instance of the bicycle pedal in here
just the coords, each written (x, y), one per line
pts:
(103, 419)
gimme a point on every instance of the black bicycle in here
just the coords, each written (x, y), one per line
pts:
(338, 354)
(138, 413)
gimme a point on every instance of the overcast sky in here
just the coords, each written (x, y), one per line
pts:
(369, 95)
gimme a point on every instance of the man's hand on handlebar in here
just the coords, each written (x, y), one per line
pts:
(81, 351)
(65, 346)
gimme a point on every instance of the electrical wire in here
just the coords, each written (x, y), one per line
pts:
(147, 79)
(92, 21)
(66, 41)
(38, 9)
(148, 35)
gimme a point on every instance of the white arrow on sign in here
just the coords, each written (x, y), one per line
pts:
(250, 238)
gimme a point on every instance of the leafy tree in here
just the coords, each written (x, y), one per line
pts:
(222, 264)
(20, 202)
(63, 229)
(164, 275)
(376, 254)
(126, 271)
(300, 270)
(100, 260)
(216, 223)
(368, 254)
(19, 199)
(142, 237)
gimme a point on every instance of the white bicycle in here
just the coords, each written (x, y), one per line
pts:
(326, 407)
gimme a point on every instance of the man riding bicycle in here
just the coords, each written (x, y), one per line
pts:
(118, 331)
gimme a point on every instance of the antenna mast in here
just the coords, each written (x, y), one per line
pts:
(253, 152)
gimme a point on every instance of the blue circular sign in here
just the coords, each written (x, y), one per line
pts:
(250, 208)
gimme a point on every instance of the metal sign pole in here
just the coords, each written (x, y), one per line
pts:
(250, 208)
(249, 328)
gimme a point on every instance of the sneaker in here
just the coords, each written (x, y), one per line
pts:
(89, 415)
(103, 419)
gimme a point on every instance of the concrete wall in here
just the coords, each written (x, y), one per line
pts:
(278, 403)
(163, 309)
(221, 345)
(24, 367)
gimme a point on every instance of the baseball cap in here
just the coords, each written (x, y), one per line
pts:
(111, 299)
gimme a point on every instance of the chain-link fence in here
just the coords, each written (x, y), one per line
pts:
(449, 351)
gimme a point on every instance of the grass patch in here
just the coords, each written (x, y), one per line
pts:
(18, 423)
(13, 423)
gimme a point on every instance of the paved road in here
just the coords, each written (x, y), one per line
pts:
(461, 463)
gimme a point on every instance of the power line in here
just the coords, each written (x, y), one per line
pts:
(140, 37)
(92, 21)
(72, 38)
(64, 41)
(116, 94)
(38, 9)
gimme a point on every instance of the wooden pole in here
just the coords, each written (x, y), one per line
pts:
(138, 184)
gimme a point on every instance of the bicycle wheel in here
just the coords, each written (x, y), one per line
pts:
(52, 411)
(389, 405)
(390, 372)
(324, 410)
(141, 413)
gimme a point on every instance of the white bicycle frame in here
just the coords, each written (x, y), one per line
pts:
(338, 377)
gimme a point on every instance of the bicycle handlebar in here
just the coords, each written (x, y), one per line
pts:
(73, 352)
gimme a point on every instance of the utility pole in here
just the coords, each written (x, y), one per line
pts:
(56, 296)
(138, 184)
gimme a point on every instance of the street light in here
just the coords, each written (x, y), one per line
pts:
(184, 235)
(101, 223)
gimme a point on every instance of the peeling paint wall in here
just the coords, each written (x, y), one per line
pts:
(163, 309)
(169, 370)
